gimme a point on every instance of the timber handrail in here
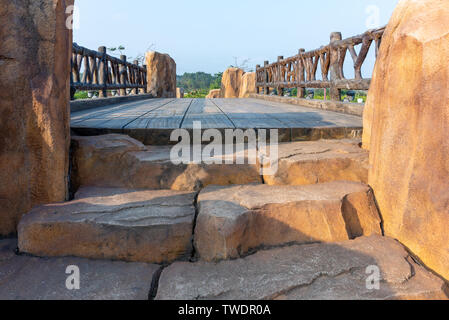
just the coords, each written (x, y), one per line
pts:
(103, 73)
(300, 71)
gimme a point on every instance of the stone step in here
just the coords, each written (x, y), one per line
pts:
(119, 161)
(118, 224)
(345, 270)
(233, 221)
(302, 163)
(122, 162)
(31, 278)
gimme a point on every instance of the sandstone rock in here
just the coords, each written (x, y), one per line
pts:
(214, 94)
(179, 93)
(97, 158)
(34, 106)
(120, 161)
(248, 85)
(318, 271)
(302, 163)
(137, 226)
(231, 83)
(28, 278)
(409, 107)
(232, 221)
(161, 75)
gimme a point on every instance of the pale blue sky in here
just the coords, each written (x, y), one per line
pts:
(205, 35)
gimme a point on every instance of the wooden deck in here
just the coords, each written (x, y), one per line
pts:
(146, 118)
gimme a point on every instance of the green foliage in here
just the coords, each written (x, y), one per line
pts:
(198, 82)
(81, 95)
(120, 49)
(319, 94)
(199, 93)
(216, 82)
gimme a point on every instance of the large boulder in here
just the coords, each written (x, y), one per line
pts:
(408, 110)
(161, 75)
(34, 106)
(338, 271)
(233, 221)
(231, 83)
(214, 94)
(248, 85)
(152, 226)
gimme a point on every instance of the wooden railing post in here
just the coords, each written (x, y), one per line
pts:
(136, 76)
(335, 93)
(257, 78)
(301, 74)
(280, 79)
(103, 72)
(145, 78)
(266, 89)
(122, 72)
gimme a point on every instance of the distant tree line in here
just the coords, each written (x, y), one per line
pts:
(199, 81)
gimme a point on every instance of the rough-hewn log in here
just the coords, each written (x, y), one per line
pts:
(300, 71)
(103, 72)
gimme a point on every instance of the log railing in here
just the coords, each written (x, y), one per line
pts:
(300, 71)
(97, 71)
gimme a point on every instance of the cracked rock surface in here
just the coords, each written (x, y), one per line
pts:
(235, 220)
(31, 278)
(302, 163)
(152, 226)
(119, 161)
(316, 271)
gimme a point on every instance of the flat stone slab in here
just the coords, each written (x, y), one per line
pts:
(152, 226)
(119, 161)
(235, 220)
(318, 271)
(30, 278)
(302, 163)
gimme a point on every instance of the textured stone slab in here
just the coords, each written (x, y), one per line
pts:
(317, 271)
(302, 163)
(34, 104)
(122, 162)
(232, 221)
(30, 278)
(409, 158)
(118, 224)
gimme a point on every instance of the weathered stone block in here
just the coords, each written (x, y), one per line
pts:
(30, 278)
(128, 225)
(310, 272)
(214, 94)
(407, 130)
(233, 221)
(302, 163)
(231, 83)
(34, 106)
(161, 75)
(120, 161)
(248, 85)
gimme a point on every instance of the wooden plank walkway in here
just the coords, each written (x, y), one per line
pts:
(164, 115)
